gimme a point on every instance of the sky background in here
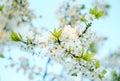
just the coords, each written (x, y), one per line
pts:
(109, 27)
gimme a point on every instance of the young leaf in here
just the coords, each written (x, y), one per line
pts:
(104, 71)
(1, 7)
(56, 34)
(78, 59)
(97, 65)
(88, 57)
(59, 33)
(94, 10)
(53, 38)
(107, 6)
(30, 40)
(99, 14)
(15, 36)
(91, 55)
(83, 19)
(74, 74)
(1, 56)
(114, 73)
(55, 31)
(101, 77)
(85, 57)
(96, 13)
(83, 6)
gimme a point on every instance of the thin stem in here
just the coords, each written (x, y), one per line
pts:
(87, 26)
(83, 32)
(31, 43)
(59, 42)
(46, 68)
(73, 55)
(28, 43)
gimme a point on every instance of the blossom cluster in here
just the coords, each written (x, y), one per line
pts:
(68, 14)
(70, 49)
(71, 12)
(69, 46)
(14, 13)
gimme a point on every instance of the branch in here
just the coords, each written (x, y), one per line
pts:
(73, 55)
(87, 26)
(46, 68)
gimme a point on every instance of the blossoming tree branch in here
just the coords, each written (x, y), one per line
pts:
(72, 43)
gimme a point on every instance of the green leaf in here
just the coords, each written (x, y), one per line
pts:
(1, 56)
(96, 13)
(101, 77)
(59, 33)
(88, 25)
(114, 73)
(88, 57)
(20, 36)
(83, 19)
(92, 47)
(91, 55)
(54, 38)
(30, 40)
(74, 74)
(104, 71)
(107, 6)
(83, 50)
(1, 7)
(99, 14)
(78, 59)
(83, 6)
(56, 34)
(97, 65)
(55, 31)
(15, 37)
(94, 10)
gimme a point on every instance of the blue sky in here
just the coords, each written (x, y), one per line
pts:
(109, 27)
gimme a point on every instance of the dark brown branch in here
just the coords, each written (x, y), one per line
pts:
(73, 55)
(87, 26)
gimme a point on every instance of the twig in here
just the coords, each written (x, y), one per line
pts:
(46, 68)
